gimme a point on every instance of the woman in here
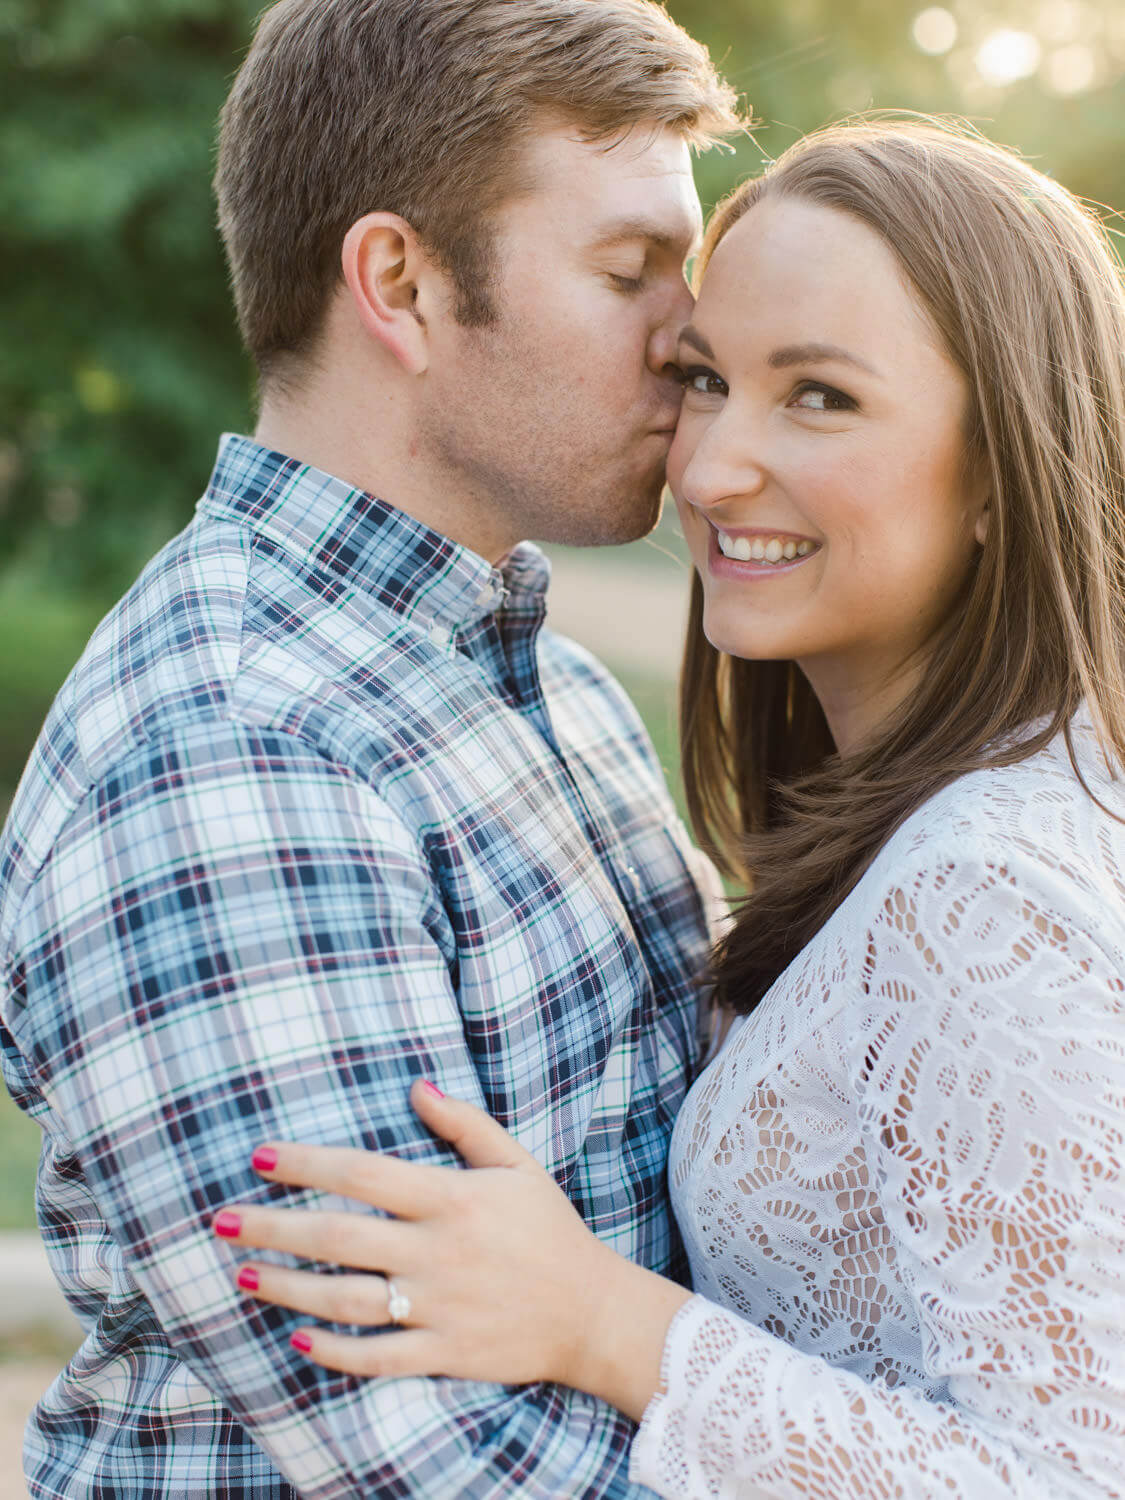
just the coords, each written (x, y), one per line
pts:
(899, 468)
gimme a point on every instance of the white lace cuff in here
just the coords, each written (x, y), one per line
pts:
(668, 1449)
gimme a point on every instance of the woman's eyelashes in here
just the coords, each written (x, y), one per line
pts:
(702, 381)
(626, 283)
(807, 395)
(822, 397)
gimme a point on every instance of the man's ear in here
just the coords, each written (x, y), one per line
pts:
(390, 279)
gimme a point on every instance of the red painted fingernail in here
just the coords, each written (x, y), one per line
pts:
(301, 1342)
(248, 1279)
(227, 1224)
(432, 1088)
(264, 1159)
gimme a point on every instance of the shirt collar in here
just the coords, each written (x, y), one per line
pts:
(348, 538)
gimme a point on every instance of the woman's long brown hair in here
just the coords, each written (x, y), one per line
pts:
(1019, 279)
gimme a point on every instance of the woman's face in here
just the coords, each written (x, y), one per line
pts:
(818, 463)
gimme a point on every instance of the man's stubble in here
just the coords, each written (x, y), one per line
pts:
(519, 441)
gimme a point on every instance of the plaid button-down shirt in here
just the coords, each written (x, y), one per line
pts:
(320, 810)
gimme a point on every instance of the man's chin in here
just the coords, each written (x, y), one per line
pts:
(627, 517)
(607, 515)
(645, 519)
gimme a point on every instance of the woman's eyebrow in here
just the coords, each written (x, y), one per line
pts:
(692, 336)
(789, 354)
(817, 354)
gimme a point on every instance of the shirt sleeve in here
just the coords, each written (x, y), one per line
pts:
(235, 940)
(990, 1067)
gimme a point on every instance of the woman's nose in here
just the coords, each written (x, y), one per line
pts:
(721, 468)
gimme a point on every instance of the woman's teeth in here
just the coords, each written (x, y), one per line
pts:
(772, 549)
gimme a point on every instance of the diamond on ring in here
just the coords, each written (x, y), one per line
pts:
(398, 1305)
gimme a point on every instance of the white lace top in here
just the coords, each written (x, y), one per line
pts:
(900, 1181)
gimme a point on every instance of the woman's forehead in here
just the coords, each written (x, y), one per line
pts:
(794, 271)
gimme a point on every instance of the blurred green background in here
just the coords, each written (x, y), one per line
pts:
(119, 362)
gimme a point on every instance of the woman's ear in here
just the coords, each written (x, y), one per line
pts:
(386, 269)
(980, 498)
(980, 528)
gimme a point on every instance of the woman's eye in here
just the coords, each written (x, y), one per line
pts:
(811, 396)
(702, 381)
(626, 283)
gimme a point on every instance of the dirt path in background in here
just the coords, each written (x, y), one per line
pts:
(38, 1334)
(21, 1384)
(633, 618)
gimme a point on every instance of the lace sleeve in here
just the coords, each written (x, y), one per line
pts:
(985, 1027)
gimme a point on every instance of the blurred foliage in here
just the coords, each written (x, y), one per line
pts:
(804, 63)
(20, 1139)
(42, 630)
(120, 362)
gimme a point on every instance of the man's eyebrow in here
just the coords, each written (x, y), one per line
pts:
(817, 354)
(624, 231)
(692, 336)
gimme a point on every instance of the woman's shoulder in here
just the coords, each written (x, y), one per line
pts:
(1047, 792)
(998, 871)
(1046, 821)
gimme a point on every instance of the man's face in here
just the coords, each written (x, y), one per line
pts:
(557, 418)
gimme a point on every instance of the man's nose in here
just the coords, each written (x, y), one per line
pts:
(665, 336)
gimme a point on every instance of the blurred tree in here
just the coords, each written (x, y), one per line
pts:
(119, 359)
(1045, 76)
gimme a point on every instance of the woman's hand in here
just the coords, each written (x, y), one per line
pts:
(502, 1277)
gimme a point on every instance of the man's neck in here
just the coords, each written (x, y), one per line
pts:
(338, 440)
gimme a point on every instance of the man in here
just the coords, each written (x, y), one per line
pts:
(321, 809)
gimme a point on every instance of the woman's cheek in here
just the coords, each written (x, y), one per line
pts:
(677, 460)
(694, 530)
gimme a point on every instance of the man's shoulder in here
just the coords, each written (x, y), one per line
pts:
(164, 656)
(215, 631)
(563, 657)
(571, 672)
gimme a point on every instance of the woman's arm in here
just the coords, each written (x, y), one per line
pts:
(504, 1279)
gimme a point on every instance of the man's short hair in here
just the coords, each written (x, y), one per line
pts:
(420, 108)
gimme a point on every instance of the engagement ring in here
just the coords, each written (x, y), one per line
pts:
(398, 1306)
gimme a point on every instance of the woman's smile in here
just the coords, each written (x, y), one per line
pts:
(757, 553)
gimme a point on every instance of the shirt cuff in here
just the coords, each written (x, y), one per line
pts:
(666, 1448)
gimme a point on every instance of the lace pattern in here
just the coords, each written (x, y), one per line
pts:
(900, 1180)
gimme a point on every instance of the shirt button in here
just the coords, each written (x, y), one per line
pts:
(440, 636)
(486, 598)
